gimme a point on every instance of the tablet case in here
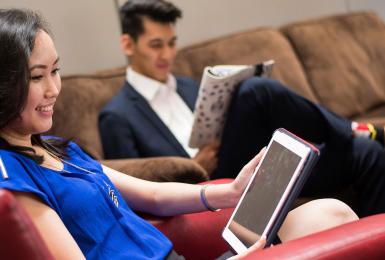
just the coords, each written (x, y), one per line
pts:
(297, 187)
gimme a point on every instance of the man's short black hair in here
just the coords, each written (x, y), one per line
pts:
(133, 11)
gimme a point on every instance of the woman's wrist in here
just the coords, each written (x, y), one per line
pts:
(221, 196)
(236, 193)
(204, 199)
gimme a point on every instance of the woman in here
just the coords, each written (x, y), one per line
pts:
(81, 208)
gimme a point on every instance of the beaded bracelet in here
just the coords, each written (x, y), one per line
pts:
(204, 199)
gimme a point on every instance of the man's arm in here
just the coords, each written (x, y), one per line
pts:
(117, 139)
(207, 157)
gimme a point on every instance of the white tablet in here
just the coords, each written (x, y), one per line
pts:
(268, 197)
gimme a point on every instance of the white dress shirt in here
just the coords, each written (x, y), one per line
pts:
(167, 104)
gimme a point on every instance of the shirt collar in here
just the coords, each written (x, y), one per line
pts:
(146, 86)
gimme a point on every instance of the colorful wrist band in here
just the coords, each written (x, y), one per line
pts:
(204, 199)
(373, 132)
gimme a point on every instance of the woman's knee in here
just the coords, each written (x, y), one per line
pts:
(335, 210)
(315, 216)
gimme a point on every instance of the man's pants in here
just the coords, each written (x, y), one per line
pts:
(262, 105)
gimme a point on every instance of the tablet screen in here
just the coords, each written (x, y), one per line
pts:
(264, 194)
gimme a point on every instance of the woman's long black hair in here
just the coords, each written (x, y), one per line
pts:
(18, 30)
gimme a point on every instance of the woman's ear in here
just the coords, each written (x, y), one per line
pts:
(127, 44)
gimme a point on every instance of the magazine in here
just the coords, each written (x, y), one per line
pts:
(216, 90)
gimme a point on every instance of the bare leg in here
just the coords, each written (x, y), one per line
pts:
(315, 216)
(311, 217)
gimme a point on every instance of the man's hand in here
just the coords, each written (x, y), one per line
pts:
(207, 157)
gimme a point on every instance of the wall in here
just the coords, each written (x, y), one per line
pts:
(87, 31)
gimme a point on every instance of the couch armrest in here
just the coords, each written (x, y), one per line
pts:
(161, 169)
(19, 239)
(362, 239)
(196, 236)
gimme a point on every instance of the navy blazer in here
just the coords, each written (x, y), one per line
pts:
(130, 128)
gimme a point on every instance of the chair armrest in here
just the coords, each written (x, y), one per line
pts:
(197, 235)
(161, 169)
(19, 239)
(361, 239)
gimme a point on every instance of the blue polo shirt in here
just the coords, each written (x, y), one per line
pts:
(89, 205)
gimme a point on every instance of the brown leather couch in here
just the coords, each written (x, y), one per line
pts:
(75, 118)
(336, 61)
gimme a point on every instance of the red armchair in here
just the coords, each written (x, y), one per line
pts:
(197, 236)
(19, 238)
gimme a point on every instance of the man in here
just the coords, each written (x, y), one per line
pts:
(152, 116)
(157, 106)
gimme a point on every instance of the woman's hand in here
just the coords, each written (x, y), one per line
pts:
(259, 245)
(240, 183)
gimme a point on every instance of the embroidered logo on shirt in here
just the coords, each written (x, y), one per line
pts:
(111, 194)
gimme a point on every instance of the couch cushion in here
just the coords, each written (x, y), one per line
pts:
(343, 57)
(161, 169)
(78, 106)
(248, 47)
